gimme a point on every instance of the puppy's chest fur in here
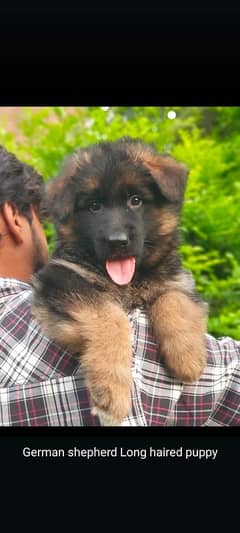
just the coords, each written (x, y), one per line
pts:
(141, 293)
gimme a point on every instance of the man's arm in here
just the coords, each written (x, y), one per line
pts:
(157, 398)
(54, 402)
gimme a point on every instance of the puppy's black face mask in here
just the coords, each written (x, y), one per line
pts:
(113, 233)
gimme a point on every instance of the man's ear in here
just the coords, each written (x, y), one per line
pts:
(13, 221)
(169, 175)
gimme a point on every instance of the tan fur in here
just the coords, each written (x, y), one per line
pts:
(90, 185)
(137, 152)
(150, 291)
(75, 161)
(151, 160)
(55, 186)
(168, 173)
(70, 166)
(166, 163)
(82, 159)
(179, 325)
(182, 282)
(106, 360)
(167, 221)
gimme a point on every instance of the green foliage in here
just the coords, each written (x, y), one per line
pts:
(206, 139)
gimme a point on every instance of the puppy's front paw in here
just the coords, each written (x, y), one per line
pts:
(111, 404)
(107, 363)
(104, 417)
(186, 358)
(179, 325)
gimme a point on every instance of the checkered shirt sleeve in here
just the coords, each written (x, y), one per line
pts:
(43, 385)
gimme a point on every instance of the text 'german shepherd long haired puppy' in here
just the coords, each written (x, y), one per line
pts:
(116, 208)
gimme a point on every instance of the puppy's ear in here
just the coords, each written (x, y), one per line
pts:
(60, 198)
(169, 175)
(61, 192)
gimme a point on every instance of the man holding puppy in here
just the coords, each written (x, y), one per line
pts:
(41, 384)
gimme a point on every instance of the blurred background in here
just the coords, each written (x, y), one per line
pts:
(207, 139)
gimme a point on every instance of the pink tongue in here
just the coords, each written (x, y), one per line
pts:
(121, 271)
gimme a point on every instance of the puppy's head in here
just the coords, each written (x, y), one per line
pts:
(115, 203)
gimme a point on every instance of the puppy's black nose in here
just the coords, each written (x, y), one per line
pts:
(118, 239)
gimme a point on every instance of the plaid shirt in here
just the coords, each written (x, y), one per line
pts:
(41, 384)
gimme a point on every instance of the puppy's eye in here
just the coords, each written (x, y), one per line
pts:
(95, 206)
(134, 201)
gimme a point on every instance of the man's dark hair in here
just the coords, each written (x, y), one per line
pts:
(21, 185)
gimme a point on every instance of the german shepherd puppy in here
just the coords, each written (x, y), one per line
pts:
(116, 207)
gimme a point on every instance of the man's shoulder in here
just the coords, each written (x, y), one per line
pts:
(10, 287)
(222, 349)
(26, 353)
(14, 295)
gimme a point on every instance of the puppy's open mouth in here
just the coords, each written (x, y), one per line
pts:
(121, 270)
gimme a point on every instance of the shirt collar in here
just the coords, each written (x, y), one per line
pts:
(12, 286)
